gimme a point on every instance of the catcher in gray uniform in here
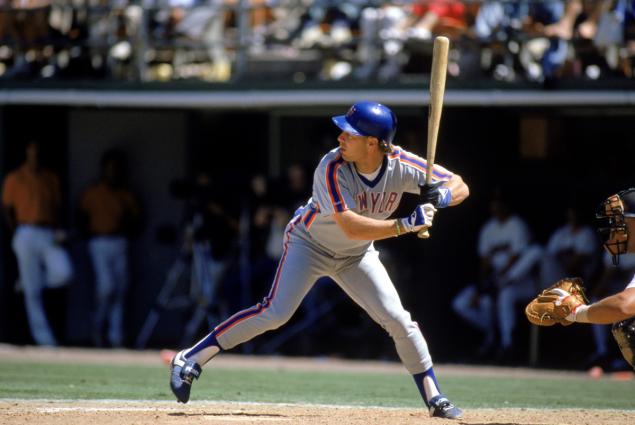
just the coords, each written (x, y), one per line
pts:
(356, 187)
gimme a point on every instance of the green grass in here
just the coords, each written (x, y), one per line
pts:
(82, 381)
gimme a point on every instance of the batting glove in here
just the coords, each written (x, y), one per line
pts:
(421, 217)
(436, 195)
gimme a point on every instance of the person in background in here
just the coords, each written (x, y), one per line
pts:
(109, 215)
(31, 199)
(507, 276)
(572, 250)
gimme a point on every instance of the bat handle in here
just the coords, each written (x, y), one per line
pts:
(423, 233)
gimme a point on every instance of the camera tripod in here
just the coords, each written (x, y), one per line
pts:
(192, 283)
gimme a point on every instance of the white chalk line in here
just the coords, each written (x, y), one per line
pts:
(181, 407)
(231, 417)
(160, 406)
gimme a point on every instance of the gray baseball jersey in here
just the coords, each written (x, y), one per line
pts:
(338, 187)
(315, 246)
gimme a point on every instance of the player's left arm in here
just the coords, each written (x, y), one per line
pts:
(447, 188)
(459, 190)
(609, 310)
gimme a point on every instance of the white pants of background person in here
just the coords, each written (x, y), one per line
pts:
(40, 265)
(519, 284)
(109, 255)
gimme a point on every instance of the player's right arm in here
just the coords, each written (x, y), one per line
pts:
(332, 193)
(356, 226)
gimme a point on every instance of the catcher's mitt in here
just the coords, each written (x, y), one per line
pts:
(556, 302)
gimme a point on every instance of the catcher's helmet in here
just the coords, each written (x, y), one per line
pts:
(612, 225)
(369, 119)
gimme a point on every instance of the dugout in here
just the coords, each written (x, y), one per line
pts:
(544, 146)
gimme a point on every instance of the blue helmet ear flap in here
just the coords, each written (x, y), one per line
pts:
(369, 119)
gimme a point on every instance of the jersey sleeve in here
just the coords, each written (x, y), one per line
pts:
(330, 189)
(415, 168)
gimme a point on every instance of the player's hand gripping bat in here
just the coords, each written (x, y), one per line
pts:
(437, 89)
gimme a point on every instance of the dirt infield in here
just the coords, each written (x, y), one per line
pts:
(167, 413)
(117, 412)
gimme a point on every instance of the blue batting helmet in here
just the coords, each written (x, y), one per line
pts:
(369, 119)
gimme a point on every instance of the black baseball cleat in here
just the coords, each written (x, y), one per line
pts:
(182, 372)
(441, 407)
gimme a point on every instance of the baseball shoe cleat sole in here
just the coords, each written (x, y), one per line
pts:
(441, 407)
(182, 373)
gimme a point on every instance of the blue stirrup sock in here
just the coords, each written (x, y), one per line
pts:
(427, 385)
(204, 350)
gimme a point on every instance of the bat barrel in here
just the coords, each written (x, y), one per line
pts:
(437, 90)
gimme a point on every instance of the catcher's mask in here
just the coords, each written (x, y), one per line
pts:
(612, 226)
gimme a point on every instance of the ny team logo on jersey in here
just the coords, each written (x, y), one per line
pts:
(377, 202)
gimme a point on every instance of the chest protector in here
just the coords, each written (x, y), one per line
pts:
(624, 334)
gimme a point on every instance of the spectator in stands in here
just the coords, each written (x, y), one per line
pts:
(625, 11)
(536, 27)
(385, 29)
(109, 213)
(572, 250)
(508, 276)
(198, 21)
(31, 198)
(112, 31)
(28, 28)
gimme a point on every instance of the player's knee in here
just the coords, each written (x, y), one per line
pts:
(278, 317)
(399, 324)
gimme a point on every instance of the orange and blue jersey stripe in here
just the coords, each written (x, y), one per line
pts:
(266, 302)
(394, 154)
(310, 216)
(333, 185)
(422, 165)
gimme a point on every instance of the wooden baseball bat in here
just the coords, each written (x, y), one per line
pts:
(437, 90)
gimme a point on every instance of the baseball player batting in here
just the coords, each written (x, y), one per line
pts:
(356, 187)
